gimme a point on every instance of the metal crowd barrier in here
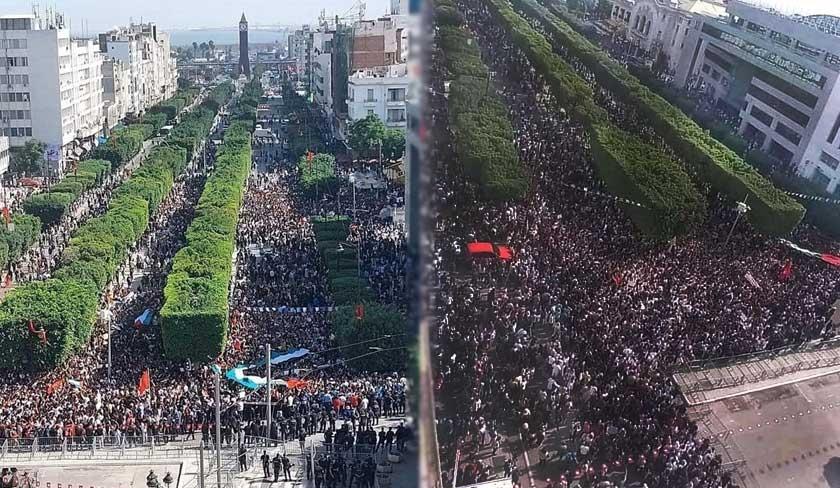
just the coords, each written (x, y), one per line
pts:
(702, 375)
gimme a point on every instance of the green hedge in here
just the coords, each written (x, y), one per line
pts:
(644, 174)
(772, 211)
(123, 144)
(66, 305)
(15, 242)
(156, 120)
(346, 287)
(194, 317)
(482, 136)
(48, 207)
(629, 167)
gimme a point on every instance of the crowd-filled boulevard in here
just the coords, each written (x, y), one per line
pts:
(89, 401)
(585, 326)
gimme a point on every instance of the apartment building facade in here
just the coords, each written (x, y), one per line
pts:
(50, 86)
(379, 91)
(145, 53)
(780, 73)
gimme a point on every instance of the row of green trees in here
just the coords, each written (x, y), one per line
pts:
(194, 317)
(630, 168)
(172, 107)
(65, 306)
(44, 209)
(773, 212)
(367, 135)
(317, 173)
(482, 136)
(372, 320)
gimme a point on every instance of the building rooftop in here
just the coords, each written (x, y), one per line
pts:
(392, 71)
(828, 24)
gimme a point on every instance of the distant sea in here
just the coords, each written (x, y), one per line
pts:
(222, 37)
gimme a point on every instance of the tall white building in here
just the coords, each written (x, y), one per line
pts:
(298, 42)
(379, 91)
(116, 82)
(145, 51)
(780, 74)
(321, 69)
(50, 85)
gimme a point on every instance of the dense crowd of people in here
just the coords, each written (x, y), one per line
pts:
(277, 264)
(586, 324)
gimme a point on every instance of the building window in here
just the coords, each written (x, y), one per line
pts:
(756, 28)
(14, 61)
(370, 112)
(15, 24)
(779, 106)
(706, 68)
(788, 133)
(370, 95)
(761, 116)
(13, 43)
(396, 94)
(829, 160)
(833, 133)
(396, 115)
(780, 38)
(715, 75)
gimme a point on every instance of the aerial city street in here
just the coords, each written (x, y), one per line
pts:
(204, 252)
(636, 243)
(406, 243)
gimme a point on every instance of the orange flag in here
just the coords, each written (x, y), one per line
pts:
(360, 311)
(55, 385)
(145, 382)
(293, 383)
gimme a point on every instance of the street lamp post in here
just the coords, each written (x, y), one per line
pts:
(742, 209)
(268, 392)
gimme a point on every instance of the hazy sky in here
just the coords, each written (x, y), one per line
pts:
(175, 14)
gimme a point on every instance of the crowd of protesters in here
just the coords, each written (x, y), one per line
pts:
(277, 263)
(584, 327)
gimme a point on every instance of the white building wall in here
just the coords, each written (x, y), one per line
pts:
(369, 94)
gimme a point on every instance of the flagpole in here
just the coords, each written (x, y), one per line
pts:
(268, 392)
(218, 432)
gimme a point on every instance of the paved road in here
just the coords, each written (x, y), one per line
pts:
(788, 435)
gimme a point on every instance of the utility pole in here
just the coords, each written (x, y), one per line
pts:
(268, 392)
(201, 465)
(218, 431)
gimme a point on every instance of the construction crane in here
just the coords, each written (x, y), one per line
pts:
(353, 14)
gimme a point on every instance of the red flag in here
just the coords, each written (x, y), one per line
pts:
(6, 215)
(616, 277)
(787, 271)
(55, 385)
(41, 333)
(145, 383)
(237, 345)
(292, 383)
(360, 311)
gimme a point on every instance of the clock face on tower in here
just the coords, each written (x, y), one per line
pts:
(243, 27)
